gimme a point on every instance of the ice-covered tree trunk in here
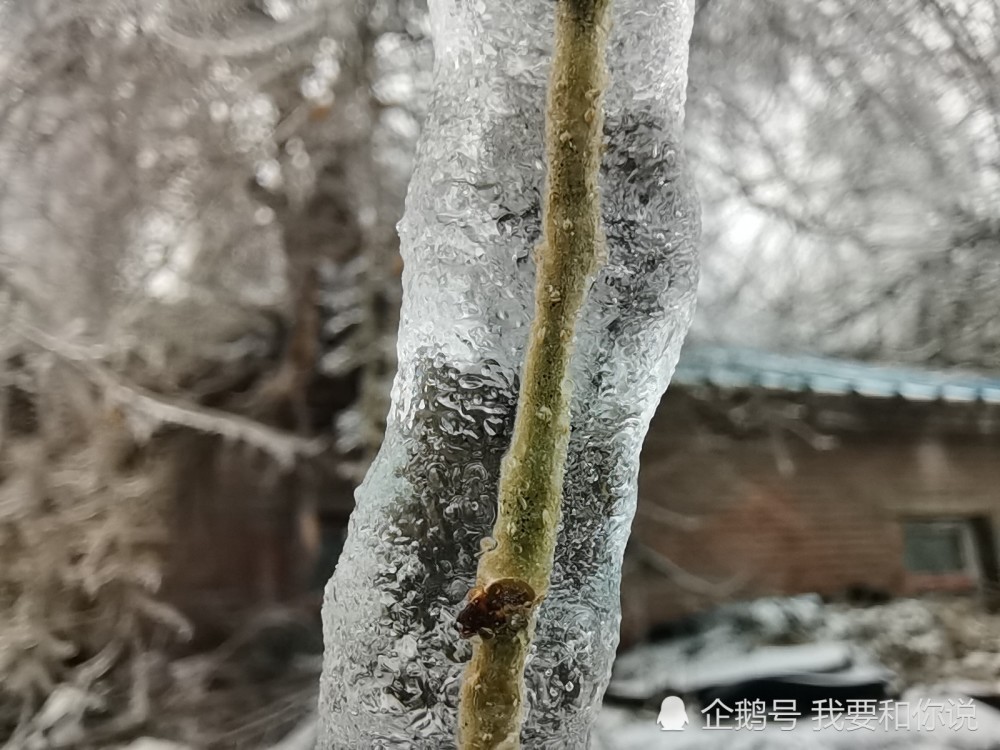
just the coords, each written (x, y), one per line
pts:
(394, 661)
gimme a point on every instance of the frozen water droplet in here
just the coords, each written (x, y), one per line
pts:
(263, 216)
(268, 174)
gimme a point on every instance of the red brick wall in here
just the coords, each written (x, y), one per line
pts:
(766, 512)
(245, 532)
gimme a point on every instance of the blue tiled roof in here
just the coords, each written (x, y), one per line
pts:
(739, 367)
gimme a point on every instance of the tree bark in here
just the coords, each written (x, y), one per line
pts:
(514, 575)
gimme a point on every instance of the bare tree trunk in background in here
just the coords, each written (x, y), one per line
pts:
(196, 236)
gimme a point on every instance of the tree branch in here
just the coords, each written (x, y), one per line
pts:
(514, 576)
(158, 410)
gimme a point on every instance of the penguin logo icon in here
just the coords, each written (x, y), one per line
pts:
(673, 715)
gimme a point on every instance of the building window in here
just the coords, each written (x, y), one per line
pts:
(939, 547)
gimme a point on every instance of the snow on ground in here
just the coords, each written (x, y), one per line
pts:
(921, 641)
(941, 652)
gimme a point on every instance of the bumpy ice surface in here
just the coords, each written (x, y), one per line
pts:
(394, 660)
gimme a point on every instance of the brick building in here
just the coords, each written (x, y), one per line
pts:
(772, 474)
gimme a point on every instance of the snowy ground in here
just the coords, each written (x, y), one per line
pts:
(938, 653)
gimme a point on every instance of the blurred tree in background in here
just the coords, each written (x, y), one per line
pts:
(199, 283)
(849, 161)
(199, 279)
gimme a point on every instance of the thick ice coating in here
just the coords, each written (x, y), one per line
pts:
(394, 657)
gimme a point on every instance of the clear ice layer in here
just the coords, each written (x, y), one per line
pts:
(394, 660)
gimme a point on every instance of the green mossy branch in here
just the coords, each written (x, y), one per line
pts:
(531, 478)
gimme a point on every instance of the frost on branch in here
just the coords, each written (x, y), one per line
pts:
(177, 177)
(394, 658)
